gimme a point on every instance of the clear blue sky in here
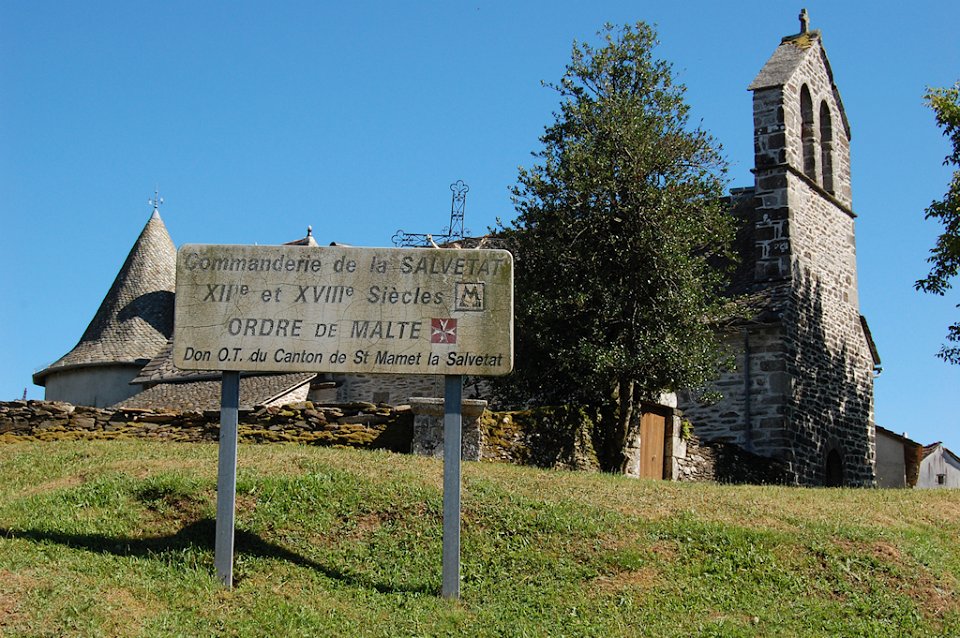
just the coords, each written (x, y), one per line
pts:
(258, 119)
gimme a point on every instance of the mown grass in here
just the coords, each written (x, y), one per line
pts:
(115, 539)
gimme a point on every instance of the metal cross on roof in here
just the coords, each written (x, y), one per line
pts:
(157, 200)
(453, 232)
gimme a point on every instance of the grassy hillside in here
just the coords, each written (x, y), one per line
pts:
(115, 539)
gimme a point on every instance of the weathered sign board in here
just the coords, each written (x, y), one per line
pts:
(344, 309)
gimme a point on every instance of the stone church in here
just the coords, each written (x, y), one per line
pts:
(802, 388)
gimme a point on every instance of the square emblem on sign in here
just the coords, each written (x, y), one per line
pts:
(443, 331)
(469, 296)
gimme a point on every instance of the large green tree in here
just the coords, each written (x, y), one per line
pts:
(945, 255)
(620, 227)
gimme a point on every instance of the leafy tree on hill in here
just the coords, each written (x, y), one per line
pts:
(945, 255)
(620, 223)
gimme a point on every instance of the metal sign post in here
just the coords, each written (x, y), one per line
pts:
(227, 477)
(452, 421)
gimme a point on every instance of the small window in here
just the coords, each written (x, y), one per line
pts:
(941, 479)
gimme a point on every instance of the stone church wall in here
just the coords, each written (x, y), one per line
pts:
(831, 363)
(391, 389)
(772, 232)
(755, 422)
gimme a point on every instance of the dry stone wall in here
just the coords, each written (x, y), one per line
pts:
(726, 463)
(356, 425)
(544, 437)
(558, 438)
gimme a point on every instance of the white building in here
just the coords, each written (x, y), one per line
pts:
(939, 468)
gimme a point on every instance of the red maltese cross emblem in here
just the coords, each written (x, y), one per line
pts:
(443, 331)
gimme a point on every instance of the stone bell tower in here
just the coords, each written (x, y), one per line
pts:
(803, 388)
(802, 149)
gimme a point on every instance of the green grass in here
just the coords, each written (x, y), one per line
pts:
(115, 539)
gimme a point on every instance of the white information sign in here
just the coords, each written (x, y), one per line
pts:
(343, 309)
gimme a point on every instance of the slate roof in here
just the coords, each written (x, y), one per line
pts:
(901, 437)
(766, 304)
(135, 318)
(784, 61)
(933, 447)
(787, 58)
(205, 395)
(160, 369)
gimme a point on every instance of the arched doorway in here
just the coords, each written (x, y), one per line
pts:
(834, 469)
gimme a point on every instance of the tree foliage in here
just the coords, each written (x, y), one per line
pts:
(945, 255)
(620, 224)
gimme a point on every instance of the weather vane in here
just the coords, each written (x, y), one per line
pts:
(453, 232)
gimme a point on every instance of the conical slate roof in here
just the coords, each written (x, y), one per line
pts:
(135, 319)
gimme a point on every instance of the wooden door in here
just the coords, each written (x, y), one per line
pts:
(652, 430)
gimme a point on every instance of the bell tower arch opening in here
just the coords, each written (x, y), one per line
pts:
(808, 136)
(826, 148)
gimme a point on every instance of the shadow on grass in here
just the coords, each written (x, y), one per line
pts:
(200, 535)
